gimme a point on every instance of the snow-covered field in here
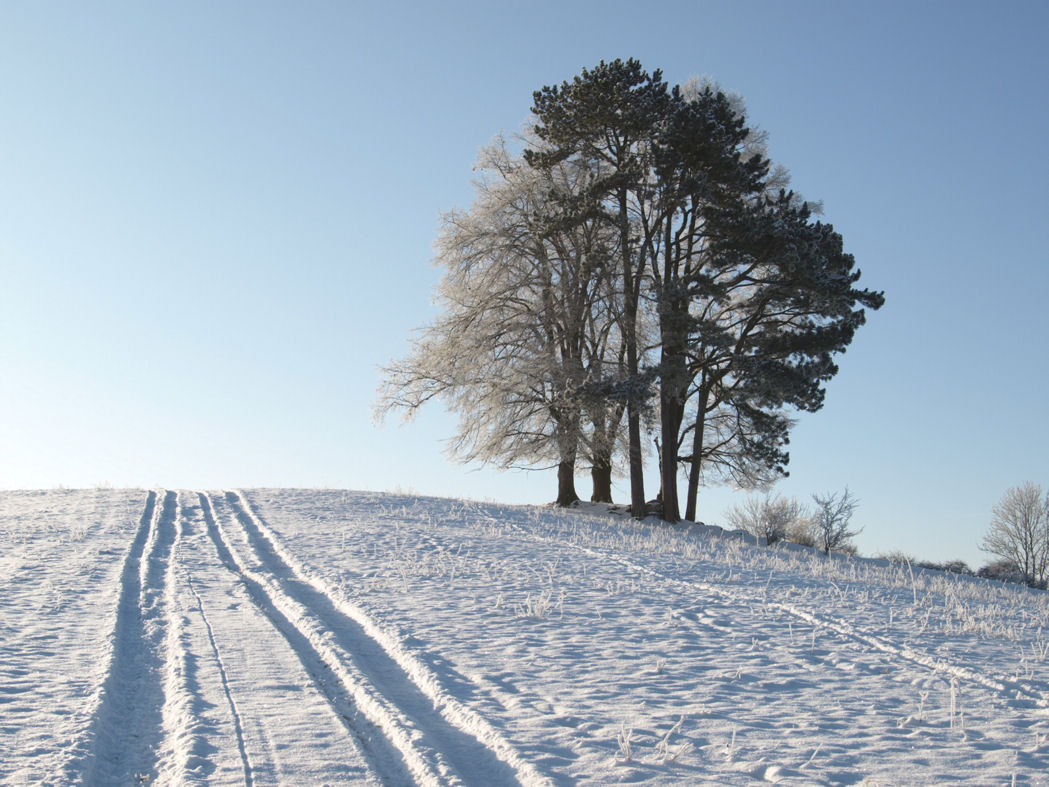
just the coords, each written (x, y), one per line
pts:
(327, 637)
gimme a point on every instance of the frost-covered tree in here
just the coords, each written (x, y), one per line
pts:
(768, 517)
(1019, 532)
(524, 326)
(831, 518)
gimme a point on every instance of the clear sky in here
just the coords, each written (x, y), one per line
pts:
(216, 222)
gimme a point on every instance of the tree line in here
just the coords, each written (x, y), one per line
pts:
(634, 266)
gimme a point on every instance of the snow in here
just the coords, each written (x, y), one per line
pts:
(329, 637)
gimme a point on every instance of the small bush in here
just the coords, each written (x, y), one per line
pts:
(801, 533)
(1007, 571)
(951, 566)
(897, 557)
(771, 518)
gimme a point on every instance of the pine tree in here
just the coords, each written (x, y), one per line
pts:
(608, 114)
(751, 298)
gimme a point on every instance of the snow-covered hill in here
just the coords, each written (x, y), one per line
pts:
(328, 637)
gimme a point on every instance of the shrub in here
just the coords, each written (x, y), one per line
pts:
(950, 566)
(1007, 571)
(801, 533)
(771, 518)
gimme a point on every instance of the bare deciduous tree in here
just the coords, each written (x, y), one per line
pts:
(830, 520)
(525, 324)
(1019, 531)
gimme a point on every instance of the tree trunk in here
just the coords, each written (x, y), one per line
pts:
(697, 455)
(606, 423)
(601, 475)
(633, 410)
(566, 494)
(669, 423)
(567, 434)
(659, 460)
(673, 390)
(637, 467)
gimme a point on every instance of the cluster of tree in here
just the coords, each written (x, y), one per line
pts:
(638, 265)
(826, 525)
(1019, 535)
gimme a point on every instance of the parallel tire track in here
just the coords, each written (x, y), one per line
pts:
(386, 759)
(126, 733)
(441, 740)
(188, 746)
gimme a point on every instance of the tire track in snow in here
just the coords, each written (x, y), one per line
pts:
(441, 740)
(293, 728)
(387, 760)
(238, 728)
(187, 750)
(1006, 687)
(127, 732)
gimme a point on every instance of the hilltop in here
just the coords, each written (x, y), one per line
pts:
(304, 636)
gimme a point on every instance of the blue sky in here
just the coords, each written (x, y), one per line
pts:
(216, 222)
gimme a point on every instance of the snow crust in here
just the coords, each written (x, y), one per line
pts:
(312, 637)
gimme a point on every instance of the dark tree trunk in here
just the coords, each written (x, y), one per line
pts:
(568, 450)
(659, 459)
(601, 475)
(606, 423)
(697, 456)
(633, 409)
(673, 389)
(566, 494)
(669, 424)
(637, 468)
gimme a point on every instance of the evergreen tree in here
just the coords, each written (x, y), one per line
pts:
(792, 305)
(751, 297)
(609, 114)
